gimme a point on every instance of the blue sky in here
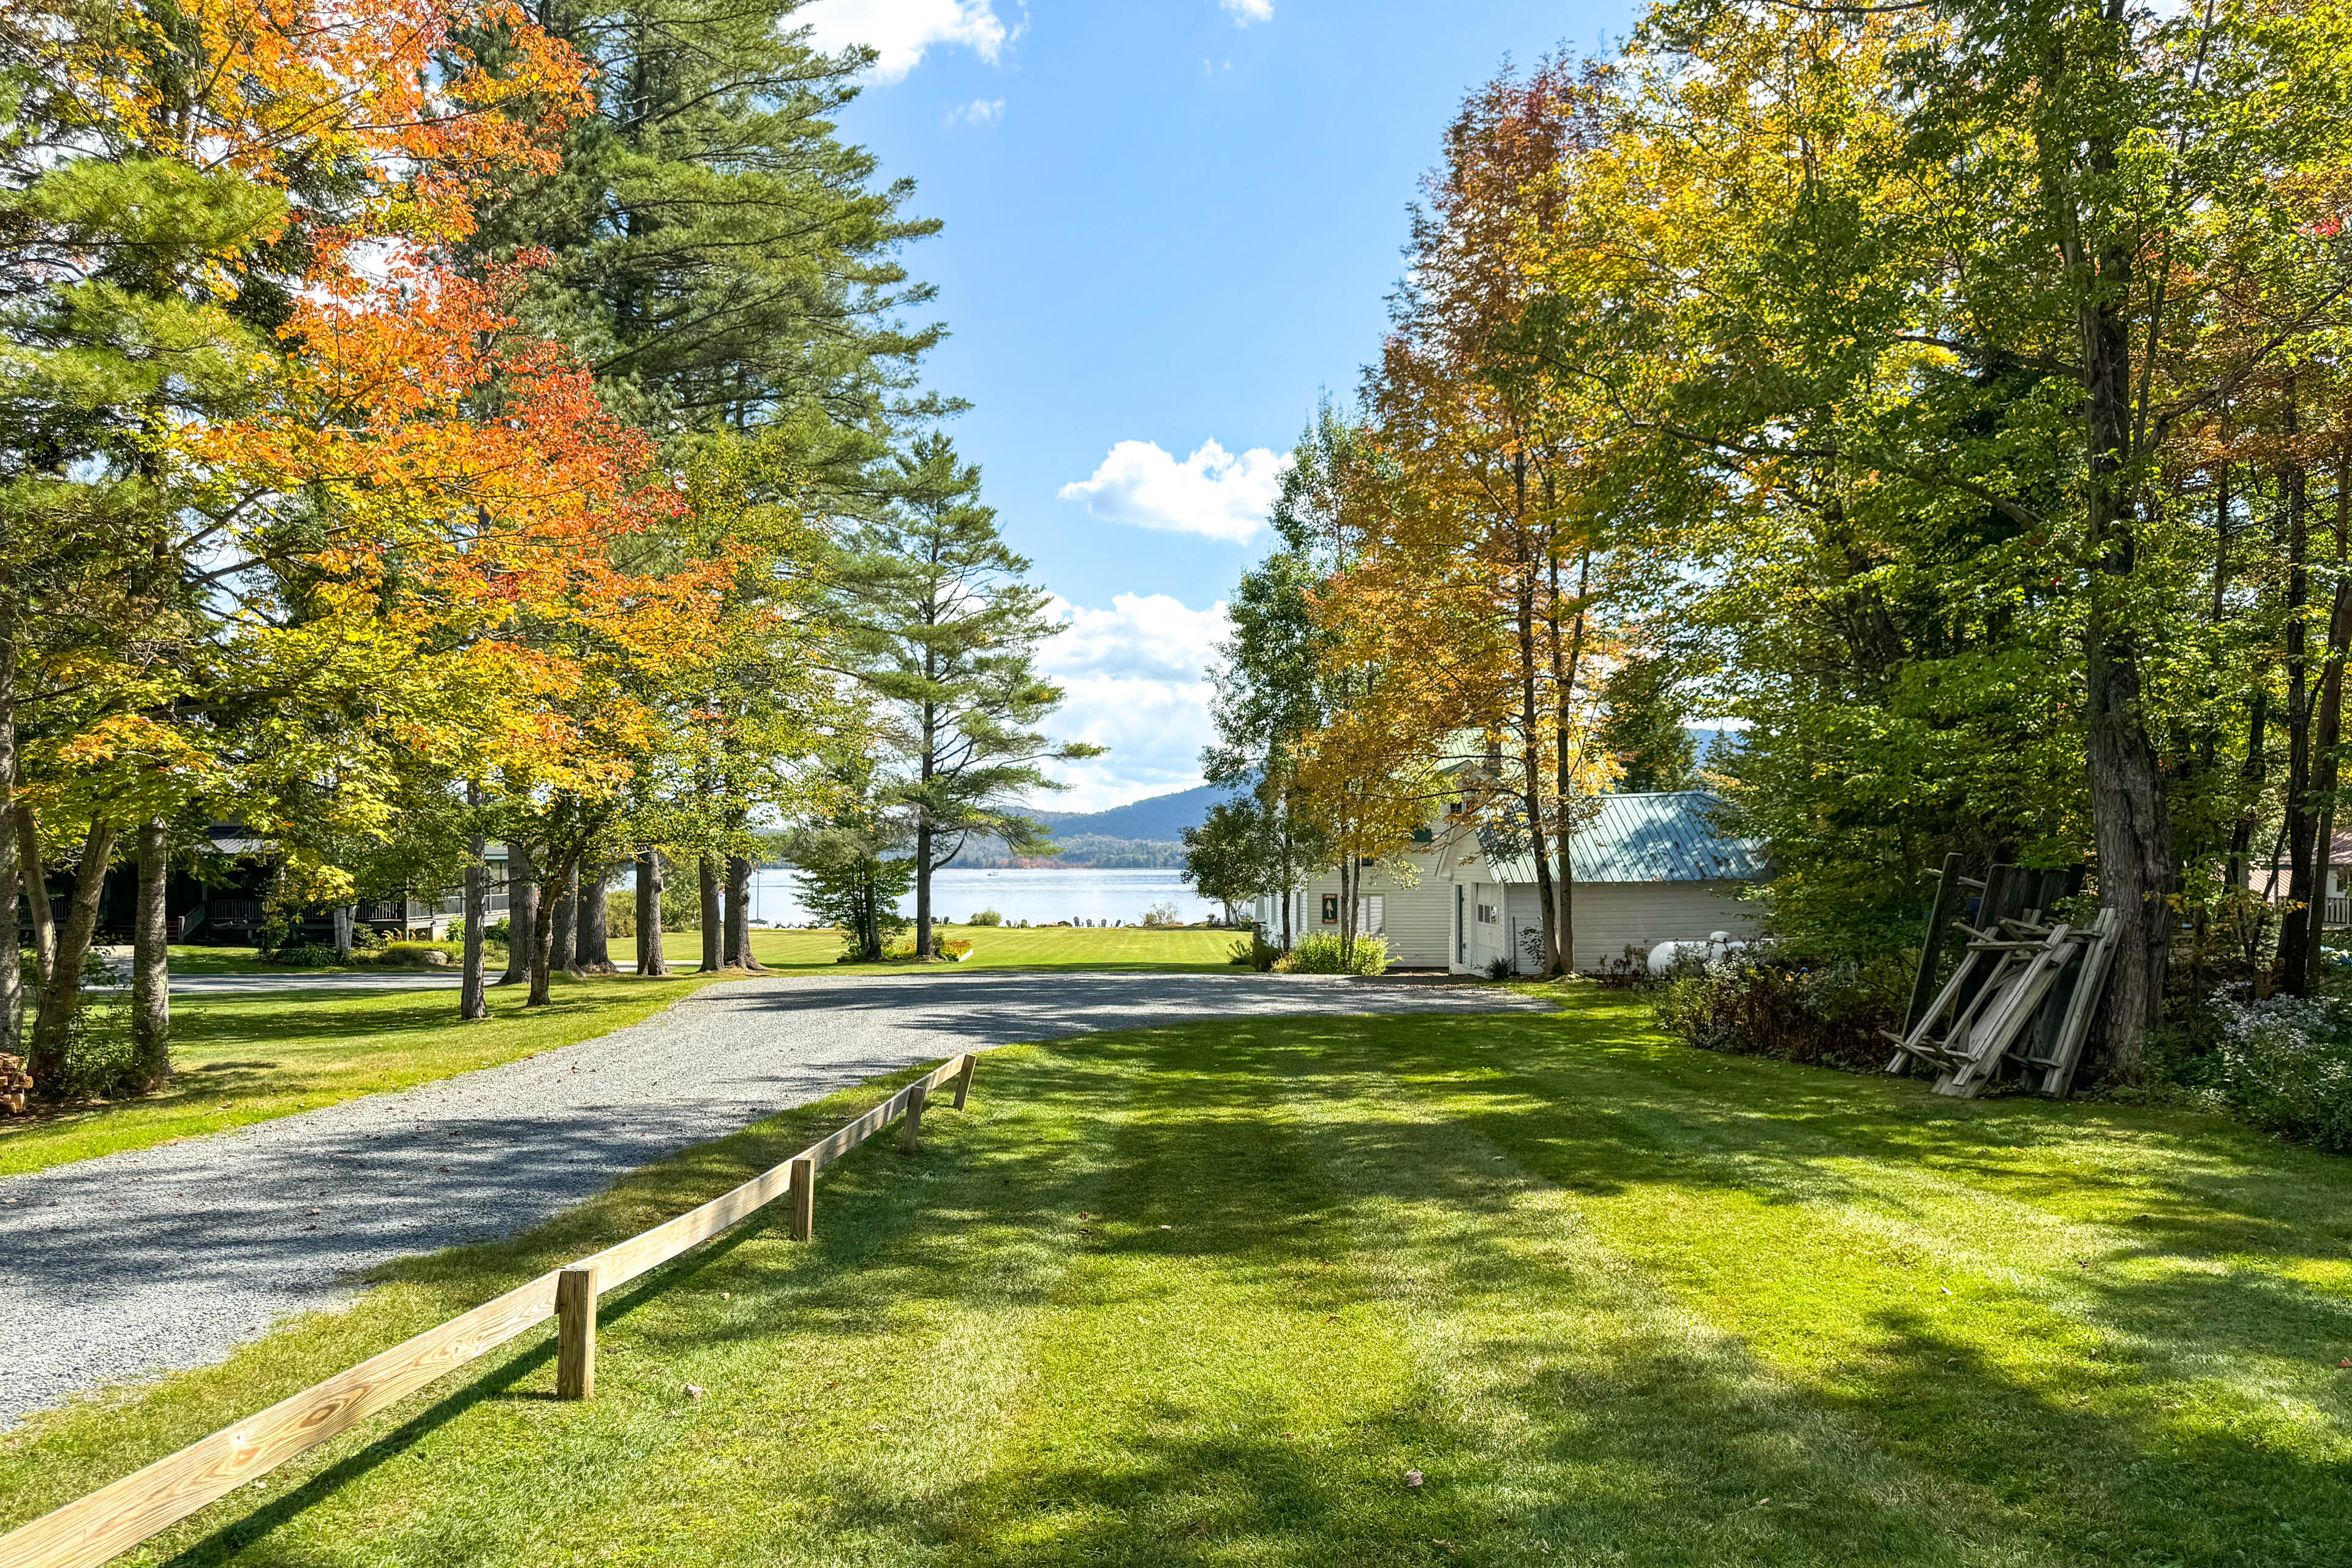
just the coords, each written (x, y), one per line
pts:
(1170, 224)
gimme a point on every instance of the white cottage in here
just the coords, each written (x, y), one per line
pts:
(1649, 868)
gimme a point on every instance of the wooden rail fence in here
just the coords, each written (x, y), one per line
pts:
(123, 1513)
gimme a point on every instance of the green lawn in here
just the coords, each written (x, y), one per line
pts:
(993, 947)
(201, 960)
(1207, 1295)
(249, 1058)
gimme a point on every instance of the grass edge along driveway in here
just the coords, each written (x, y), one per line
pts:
(239, 1059)
(1210, 1293)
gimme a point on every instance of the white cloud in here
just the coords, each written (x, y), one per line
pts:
(903, 30)
(1213, 491)
(979, 112)
(1244, 12)
(1136, 676)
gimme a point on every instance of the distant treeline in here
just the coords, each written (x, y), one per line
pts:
(1093, 850)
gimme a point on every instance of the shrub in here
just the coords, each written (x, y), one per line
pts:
(1827, 1013)
(1159, 916)
(2286, 1066)
(1319, 953)
(986, 918)
(1254, 951)
(1498, 968)
(620, 911)
(955, 948)
(413, 954)
(305, 954)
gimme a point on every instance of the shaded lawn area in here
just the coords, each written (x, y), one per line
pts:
(196, 958)
(1206, 1294)
(993, 947)
(241, 1059)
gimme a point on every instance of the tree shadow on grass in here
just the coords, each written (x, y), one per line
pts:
(1578, 1405)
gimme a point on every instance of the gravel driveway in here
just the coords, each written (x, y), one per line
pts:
(170, 1257)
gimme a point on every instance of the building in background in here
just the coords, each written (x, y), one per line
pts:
(1648, 867)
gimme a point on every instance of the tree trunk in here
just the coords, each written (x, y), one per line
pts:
(11, 969)
(522, 913)
(1565, 673)
(2297, 921)
(711, 920)
(543, 933)
(150, 962)
(739, 915)
(61, 992)
(2131, 824)
(1531, 746)
(564, 953)
(34, 875)
(922, 890)
(342, 917)
(2328, 728)
(473, 1005)
(649, 915)
(595, 933)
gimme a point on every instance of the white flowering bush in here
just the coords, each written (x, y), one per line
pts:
(2286, 1066)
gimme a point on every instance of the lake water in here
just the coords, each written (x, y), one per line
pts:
(1041, 897)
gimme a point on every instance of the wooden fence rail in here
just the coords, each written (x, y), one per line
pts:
(121, 1514)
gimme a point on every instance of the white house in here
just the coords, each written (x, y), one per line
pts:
(1649, 868)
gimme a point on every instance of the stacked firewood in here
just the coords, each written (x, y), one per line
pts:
(15, 1083)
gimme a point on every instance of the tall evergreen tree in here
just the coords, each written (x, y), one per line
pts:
(943, 630)
(1643, 726)
(719, 258)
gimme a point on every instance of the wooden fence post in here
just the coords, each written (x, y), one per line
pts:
(911, 1136)
(963, 1079)
(576, 1334)
(802, 1195)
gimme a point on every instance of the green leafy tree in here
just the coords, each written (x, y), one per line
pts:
(1269, 688)
(1234, 856)
(943, 632)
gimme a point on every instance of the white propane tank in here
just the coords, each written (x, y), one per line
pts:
(1718, 947)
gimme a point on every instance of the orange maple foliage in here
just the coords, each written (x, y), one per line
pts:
(276, 90)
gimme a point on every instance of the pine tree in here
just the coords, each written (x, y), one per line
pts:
(720, 259)
(1643, 727)
(944, 632)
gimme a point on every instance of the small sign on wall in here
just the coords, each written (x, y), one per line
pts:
(1330, 908)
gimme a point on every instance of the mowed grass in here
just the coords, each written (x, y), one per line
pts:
(1211, 1294)
(240, 1059)
(993, 947)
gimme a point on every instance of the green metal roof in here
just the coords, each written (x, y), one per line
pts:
(1669, 836)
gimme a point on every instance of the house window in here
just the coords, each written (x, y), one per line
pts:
(1488, 915)
(1330, 908)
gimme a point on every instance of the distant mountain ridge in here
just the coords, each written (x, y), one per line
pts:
(1142, 834)
(1163, 817)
